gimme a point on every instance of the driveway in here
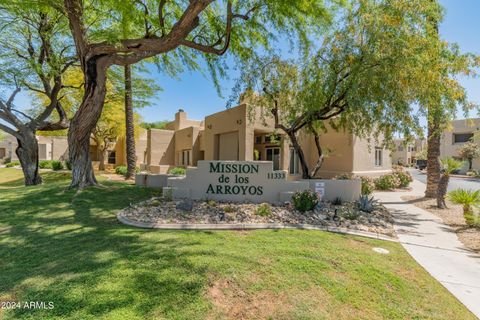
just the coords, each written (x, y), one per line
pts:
(455, 182)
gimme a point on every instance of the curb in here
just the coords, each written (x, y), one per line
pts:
(251, 226)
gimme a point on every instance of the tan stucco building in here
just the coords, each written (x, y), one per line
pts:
(406, 153)
(239, 134)
(457, 133)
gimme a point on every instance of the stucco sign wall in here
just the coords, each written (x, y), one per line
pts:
(239, 181)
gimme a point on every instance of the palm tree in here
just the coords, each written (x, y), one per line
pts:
(467, 199)
(449, 166)
(130, 127)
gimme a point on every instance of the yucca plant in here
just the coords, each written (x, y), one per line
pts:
(449, 165)
(468, 199)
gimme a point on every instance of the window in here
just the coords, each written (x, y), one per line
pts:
(294, 162)
(273, 154)
(111, 157)
(258, 139)
(378, 157)
(400, 148)
(185, 158)
(462, 137)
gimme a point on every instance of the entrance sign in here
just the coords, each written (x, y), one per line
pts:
(238, 181)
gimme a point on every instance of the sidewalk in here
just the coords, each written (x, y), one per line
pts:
(435, 247)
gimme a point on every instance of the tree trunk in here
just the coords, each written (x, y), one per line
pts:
(27, 153)
(101, 159)
(442, 191)
(470, 163)
(319, 163)
(301, 155)
(84, 122)
(129, 125)
(433, 162)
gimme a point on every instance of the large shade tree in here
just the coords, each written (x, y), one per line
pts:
(35, 60)
(182, 29)
(366, 77)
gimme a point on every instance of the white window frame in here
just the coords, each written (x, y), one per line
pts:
(378, 157)
(296, 162)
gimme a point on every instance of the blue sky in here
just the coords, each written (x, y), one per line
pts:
(197, 95)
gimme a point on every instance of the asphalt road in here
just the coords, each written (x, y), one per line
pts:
(455, 183)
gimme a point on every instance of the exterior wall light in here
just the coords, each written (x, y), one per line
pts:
(239, 122)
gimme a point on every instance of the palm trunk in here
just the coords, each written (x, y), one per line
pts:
(470, 163)
(442, 191)
(84, 122)
(129, 125)
(433, 162)
(27, 153)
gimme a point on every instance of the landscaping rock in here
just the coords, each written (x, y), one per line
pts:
(185, 205)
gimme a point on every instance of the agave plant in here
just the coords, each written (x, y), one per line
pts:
(468, 199)
(449, 165)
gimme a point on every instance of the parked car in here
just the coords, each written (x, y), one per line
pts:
(421, 164)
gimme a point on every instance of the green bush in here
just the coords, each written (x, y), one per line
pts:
(404, 178)
(467, 199)
(45, 164)
(305, 200)
(263, 210)
(178, 171)
(57, 165)
(7, 160)
(68, 165)
(387, 182)
(12, 164)
(122, 170)
(368, 185)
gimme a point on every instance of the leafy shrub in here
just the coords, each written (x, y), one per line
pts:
(12, 164)
(68, 165)
(404, 178)
(305, 200)
(387, 182)
(45, 164)
(57, 165)
(7, 160)
(344, 176)
(337, 201)
(178, 171)
(368, 185)
(212, 203)
(263, 210)
(122, 170)
(349, 214)
(366, 204)
(472, 173)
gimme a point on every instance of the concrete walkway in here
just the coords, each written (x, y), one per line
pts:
(435, 247)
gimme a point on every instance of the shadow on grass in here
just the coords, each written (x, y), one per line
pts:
(68, 248)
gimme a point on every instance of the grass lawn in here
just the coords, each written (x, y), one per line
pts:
(68, 248)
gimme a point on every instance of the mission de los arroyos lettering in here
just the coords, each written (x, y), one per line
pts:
(237, 185)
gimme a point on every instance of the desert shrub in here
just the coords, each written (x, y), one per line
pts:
(68, 165)
(305, 200)
(263, 210)
(344, 176)
(404, 178)
(122, 170)
(12, 164)
(178, 171)
(387, 182)
(368, 185)
(467, 199)
(228, 209)
(366, 203)
(212, 203)
(45, 164)
(7, 160)
(349, 214)
(337, 201)
(57, 165)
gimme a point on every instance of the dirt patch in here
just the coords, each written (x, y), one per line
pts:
(234, 302)
(453, 217)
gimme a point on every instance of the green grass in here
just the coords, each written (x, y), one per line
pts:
(68, 248)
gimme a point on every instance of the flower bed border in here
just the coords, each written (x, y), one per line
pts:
(249, 226)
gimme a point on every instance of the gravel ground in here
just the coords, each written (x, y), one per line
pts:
(159, 210)
(452, 216)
